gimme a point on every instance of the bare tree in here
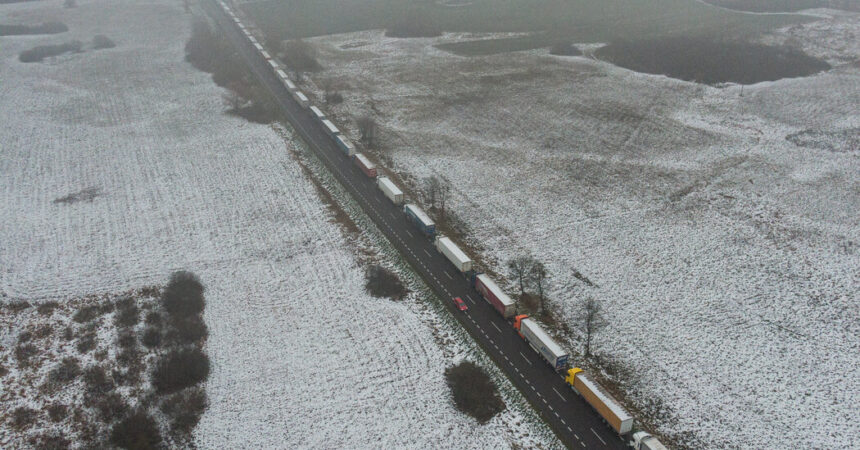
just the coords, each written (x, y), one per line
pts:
(443, 195)
(368, 129)
(591, 320)
(537, 276)
(518, 268)
(430, 188)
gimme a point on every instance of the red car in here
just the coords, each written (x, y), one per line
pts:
(460, 303)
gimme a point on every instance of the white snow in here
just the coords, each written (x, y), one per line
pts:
(725, 255)
(299, 356)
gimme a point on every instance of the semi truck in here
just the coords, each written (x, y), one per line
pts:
(274, 65)
(366, 165)
(330, 128)
(453, 253)
(289, 85)
(603, 403)
(345, 145)
(420, 219)
(644, 441)
(494, 295)
(539, 340)
(266, 54)
(390, 190)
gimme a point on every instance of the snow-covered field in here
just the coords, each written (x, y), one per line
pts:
(302, 357)
(720, 226)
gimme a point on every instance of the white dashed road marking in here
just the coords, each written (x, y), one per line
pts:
(598, 437)
(524, 357)
(559, 394)
(496, 327)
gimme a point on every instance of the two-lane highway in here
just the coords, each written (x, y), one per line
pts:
(573, 420)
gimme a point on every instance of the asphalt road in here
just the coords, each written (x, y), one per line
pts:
(575, 423)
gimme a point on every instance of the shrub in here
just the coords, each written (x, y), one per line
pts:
(37, 54)
(57, 412)
(50, 441)
(186, 331)
(101, 41)
(474, 391)
(23, 418)
(23, 353)
(153, 318)
(110, 406)
(25, 336)
(127, 314)
(128, 357)
(180, 369)
(183, 296)
(151, 337)
(87, 313)
(97, 380)
(86, 342)
(66, 371)
(137, 431)
(383, 283)
(68, 333)
(3, 371)
(17, 306)
(43, 331)
(185, 408)
(299, 56)
(47, 308)
(127, 339)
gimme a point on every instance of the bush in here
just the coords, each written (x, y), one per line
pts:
(43, 331)
(383, 283)
(186, 331)
(127, 314)
(47, 308)
(68, 333)
(65, 372)
(180, 369)
(185, 408)
(50, 441)
(110, 406)
(87, 313)
(25, 336)
(86, 342)
(23, 353)
(101, 41)
(127, 339)
(3, 371)
(23, 418)
(474, 391)
(137, 431)
(97, 381)
(183, 296)
(57, 412)
(17, 306)
(299, 56)
(37, 54)
(151, 337)
(153, 318)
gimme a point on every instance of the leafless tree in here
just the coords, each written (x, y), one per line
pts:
(368, 129)
(591, 320)
(518, 268)
(443, 195)
(430, 188)
(537, 277)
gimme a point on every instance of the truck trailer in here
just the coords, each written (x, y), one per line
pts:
(453, 253)
(301, 98)
(289, 85)
(367, 166)
(539, 340)
(345, 145)
(266, 54)
(494, 295)
(390, 190)
(603, 403)
(317, 113)
(420, 219)
(274, 65)
(644, 441)
(330, 128)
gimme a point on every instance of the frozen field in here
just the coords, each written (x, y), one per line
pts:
(720, 226)
(156, 178)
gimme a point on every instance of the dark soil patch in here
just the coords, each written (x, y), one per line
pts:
(711, 62)
(37, 54)
(44, 28)
(383, 283)
(474, 392)
(784, 5)
(86, 195)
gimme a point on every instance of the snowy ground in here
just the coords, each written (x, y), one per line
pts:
(302, 357)
(720, 226)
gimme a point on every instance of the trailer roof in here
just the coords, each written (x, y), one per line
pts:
(498, 292)
(273, 64)
(539, 333)
(330, 126)
(420, 214)
(364, 161)
(265, 54)
(318, 112)
(343, 140)
(452, 247)
(604, 397)
(301, 96)
(390, 185)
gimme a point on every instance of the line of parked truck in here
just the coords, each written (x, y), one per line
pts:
(529, 329)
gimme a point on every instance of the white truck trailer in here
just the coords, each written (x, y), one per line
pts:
(301, 98)
(390, 190)
(318, 113)
(453, 253)
(539, 340)
(644, 441)
(330, 128)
